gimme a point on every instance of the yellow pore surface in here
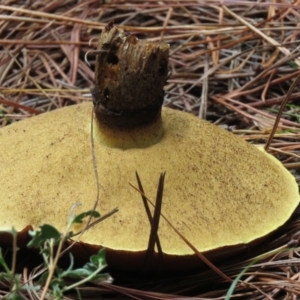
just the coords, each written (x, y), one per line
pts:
(219, 190)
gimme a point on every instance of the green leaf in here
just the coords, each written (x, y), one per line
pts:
(59, 272)
(43, 278)
(46, 252)
(27, 287)
(90, 267)
(57, 282)
(99, 258)
(14, 296)
(102, 277)
(79, 218)
(293, 64)
(77, 273)
(45, 232)
(97, 263)
(57, 292)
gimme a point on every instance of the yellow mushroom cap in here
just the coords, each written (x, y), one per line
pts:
(219, 190)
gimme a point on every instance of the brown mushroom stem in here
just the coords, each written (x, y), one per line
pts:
(129, 79)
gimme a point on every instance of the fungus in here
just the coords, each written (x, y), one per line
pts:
(220, 192)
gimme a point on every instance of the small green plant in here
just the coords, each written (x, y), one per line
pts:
(52, 280)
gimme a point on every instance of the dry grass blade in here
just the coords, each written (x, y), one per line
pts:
(149, 215)
(153, 237)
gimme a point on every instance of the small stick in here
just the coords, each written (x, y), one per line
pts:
(144, 198)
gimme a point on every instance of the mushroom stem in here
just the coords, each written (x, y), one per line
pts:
(129, 79)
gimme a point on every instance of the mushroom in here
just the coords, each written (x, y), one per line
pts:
(220, 192)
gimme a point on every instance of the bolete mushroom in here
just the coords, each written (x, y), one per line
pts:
(220, 192)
